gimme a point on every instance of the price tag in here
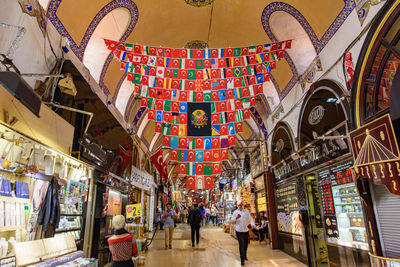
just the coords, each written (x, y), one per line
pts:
(133, 211)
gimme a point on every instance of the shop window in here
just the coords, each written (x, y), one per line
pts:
(386, 82)
(377, 63)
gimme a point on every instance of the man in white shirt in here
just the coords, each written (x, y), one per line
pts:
(242, 217)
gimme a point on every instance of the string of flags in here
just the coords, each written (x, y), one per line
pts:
(198, 98)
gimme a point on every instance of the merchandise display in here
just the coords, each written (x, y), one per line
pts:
(341, 204)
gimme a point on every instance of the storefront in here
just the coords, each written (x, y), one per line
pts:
(322, 201)
(376, 133)
(44, 195)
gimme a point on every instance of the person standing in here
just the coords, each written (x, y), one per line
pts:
(169, 216)
(242, 217)
(203, 213)
(194, 219)
(122, 244)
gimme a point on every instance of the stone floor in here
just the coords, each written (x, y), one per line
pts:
(216, 248)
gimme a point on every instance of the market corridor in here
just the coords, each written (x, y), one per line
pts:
(216, 248)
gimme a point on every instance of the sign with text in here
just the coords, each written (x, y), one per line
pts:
(141, 179)
(133, 211)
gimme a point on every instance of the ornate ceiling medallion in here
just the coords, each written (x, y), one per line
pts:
(199, 3)
(196, 44)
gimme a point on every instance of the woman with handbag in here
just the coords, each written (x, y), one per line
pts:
(122, 244)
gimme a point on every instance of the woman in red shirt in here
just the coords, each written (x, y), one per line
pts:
(122, 244)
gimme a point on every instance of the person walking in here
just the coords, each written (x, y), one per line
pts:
(169, 216)
(122, 244)
(194, 219)
(203, 213)
(158, 220)
(214, 215)
(208, 214)
(242, 217)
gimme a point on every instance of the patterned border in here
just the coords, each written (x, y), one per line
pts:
(80, 50)
(318, 44)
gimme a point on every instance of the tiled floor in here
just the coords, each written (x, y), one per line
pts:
(216, 248)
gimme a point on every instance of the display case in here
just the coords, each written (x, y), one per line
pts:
(341, 206)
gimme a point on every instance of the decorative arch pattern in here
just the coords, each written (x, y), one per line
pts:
(79, 50)
(318, 44)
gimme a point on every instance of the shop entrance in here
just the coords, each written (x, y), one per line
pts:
(317, 244)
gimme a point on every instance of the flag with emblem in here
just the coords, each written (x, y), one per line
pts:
(199, 119)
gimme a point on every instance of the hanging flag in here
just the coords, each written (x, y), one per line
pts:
(199, 115)
(174, 142)
(199, 155)
(183, 142)
(166, 141)
(199, 168)
(232, 140)
(208, 182)
(190, 182)
(215, 130)
(158, 160)
(200, 182)
(182, 168)
(207, 156)
(191, 156)
(216, 168)
(207, 143)
(224, 154)
(208, 169)
(174, 154)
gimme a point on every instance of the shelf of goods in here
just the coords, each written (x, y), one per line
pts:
(137, 229)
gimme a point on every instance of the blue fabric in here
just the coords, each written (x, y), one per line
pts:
(169, 221)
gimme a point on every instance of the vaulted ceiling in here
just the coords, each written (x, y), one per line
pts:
(217, 23)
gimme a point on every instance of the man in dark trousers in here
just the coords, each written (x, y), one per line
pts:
(194, 219)
(242, 217)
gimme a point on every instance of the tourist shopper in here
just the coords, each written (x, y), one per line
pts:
(122, 244)
(214, 215)
(169, 216)
(242, 217)
(208, 214)
(158, 220)
(203, 213)
(194, 220)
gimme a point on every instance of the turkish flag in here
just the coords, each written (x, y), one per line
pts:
(237, 62)
(214, 118)
(214, 53)
(189, 85)
(183, 96)
(145, 60)
(253, 101)
(231, 116)
(273, 65)
(158, 160)
(152, 51)
(246, 114)
(174, 154)
(159, 104)
(245, 92)
(238, 104)
(137, 49)
(206, 85)
(266, 77)
(199, 143)
(190, 63)
(137, 88)
(143, 101)
(191, 156)
(145, 80)
(223, 129)
(258, 89)
(207, 63)
(222, 63)
(216, 168)
(216, 143)
(111, 45)
(175, 84)
(152, 71)
(138, 68)
(158, 127)
(151, 115)
(182, 74)
(175, 106)
(199, 97)
(183, 118)
(166, 140)
(160, 82)
(245, 51)
(167, 116)
(167, 94)
(215, 155)
(208, 182)
(259, 49)
(214, 96)
(199, 168)
(222, 84)
(231, 140)
(175, 129)
(160, 62)
(230, 94)
(182, 167)
(190, 182)
(198, 53)
(182, 142)
(168, 73)
(175, 63)
(224, 154)
(167, 52)
(239, 127)
(220, 106)
(152, 92)
(229, 72)
(207, 156)
(251, 80)
(228, 52)
(244, 71)
(251, 59)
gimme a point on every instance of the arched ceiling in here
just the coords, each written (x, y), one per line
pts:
(174, 23)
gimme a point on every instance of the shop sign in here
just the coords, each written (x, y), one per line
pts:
(141, 179)
(133, 211)
(319, 152)
(259, 183)
(316, 115)
(376, 154)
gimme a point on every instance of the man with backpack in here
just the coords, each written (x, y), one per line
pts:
(194, 220)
